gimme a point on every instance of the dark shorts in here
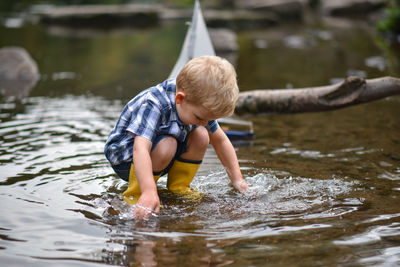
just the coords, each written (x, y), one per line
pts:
(123, 169)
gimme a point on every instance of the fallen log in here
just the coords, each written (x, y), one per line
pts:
(352, 91)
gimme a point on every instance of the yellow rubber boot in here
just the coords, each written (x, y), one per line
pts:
(132, 194)
(180, 176)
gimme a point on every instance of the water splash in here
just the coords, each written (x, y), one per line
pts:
(224, 213)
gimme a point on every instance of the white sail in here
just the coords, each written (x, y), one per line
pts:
(197, 41)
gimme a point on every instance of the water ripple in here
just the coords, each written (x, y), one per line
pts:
(386, 257)
(372, 235)
(52, 137)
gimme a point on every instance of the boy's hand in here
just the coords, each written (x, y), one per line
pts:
(148, 204)
(241, 186)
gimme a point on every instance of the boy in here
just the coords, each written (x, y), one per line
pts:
(166, 129)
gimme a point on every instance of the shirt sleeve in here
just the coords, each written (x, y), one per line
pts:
(145, 122)
(212, 126)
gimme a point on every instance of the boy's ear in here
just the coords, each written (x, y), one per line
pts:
(179, 97)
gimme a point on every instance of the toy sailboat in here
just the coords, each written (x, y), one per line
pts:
(198, 43)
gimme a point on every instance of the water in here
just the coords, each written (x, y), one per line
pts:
(325, 186)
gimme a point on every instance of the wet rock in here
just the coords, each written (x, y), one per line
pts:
(18, 72)
(224, 40)
(225, 43)
(239, 19)
(235, 18)
(101, 15)
(351, 7)
(283, 8)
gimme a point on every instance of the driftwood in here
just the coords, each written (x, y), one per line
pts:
(352, 91)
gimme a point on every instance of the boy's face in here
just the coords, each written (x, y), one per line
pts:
(191, 113)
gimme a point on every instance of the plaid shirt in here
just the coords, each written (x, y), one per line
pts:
(150, 114)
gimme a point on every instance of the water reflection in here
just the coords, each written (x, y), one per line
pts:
(311, 56)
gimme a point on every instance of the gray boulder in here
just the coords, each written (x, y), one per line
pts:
(18, 72)
(225, 43)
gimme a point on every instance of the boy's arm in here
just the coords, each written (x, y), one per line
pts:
(227, 155)
(148, 200)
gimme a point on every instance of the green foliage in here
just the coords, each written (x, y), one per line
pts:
(178, 3)
(391, 22)
(314, 3)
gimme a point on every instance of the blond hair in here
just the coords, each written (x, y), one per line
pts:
(210, 81)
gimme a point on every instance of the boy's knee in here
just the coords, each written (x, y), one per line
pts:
(200, 138)
(163, 153)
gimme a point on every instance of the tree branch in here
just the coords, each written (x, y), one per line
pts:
(352, 91)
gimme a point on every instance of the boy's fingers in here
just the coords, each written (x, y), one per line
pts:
(157, 209)
(241, 186)
(142, 212)
(141, 215)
